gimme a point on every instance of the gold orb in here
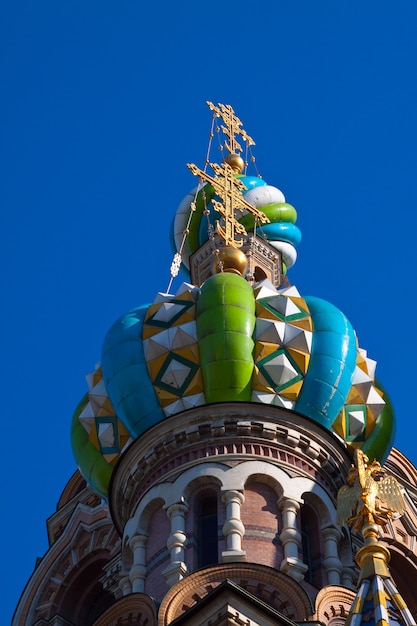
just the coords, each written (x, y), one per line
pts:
(231, 260)
(236, 162)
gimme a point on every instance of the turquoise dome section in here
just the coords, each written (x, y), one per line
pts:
(126, 376)
(332, 364)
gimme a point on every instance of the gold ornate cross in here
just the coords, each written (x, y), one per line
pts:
(229, 189)
(232, 127)
(225, 183)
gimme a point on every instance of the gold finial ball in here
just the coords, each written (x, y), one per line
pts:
(231, 260)
(236, 162)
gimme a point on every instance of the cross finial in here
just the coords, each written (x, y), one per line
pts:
(225, 183)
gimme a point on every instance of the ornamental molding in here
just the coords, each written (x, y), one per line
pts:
(228, 434)
(136, 608)
(272, 587)
(333, 604)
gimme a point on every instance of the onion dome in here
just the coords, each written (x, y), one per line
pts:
(237, 332)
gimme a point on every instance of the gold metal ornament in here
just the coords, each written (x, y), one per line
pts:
(370, 497)
(225, 182)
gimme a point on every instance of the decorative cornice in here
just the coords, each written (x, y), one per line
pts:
(272, 587)
(136, 608)
(228, 433)
(332, 602)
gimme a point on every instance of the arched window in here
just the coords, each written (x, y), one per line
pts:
(207, 535)
(311, 546)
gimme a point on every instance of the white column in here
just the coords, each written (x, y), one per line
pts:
(137, 572)
(233, 529)
(291, 539)
(176, 543)
(125, 585)
(332, 563)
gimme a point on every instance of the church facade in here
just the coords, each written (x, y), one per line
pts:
(215, 436)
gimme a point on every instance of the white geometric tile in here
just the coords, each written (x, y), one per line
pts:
(270, 331)
(284, 305)
(175, 374)
(188, 402)
(280, 370)
(167, 311)
(98, 395)
(106, 435)
(375, 402)
(264, 289)
(362, 382)
(356, 422)
(297, 338)
(87, 417)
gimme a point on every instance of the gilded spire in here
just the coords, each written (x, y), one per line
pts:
(370, 499)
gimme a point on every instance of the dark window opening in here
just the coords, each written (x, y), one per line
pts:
(207, 532)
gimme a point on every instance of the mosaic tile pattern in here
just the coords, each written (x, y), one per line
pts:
(364, 404)
(105, 431)
(283, 340)
(171, 350)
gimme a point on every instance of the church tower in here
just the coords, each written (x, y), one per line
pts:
(216, 434)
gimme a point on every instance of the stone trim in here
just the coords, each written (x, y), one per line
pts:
(272, 587)
(228, 433)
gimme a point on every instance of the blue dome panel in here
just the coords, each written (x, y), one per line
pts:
(126, 375)
(332, 365)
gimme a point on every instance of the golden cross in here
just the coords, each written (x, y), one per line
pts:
(229, 189)
(232, 127)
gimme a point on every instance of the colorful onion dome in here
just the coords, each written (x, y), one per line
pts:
(233, 336)
(228, 342)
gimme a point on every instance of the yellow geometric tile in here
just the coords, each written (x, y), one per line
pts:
(150, 331)
(262, 312)
(152, 309)
(164, 396)
(93, 438)
(370, 422)
(154, 366)
(361, 363)
(111, 458)
(186, 296)
(340, 424)
(97, 376)
(187, 316)
(305, 323)
(301, 358)
(264, 349)
(301, 303)
(190, 352)
(293, 391)
(355, 397)
(196, 385)
(259, 382)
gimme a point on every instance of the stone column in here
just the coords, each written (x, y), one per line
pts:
(176, 543)
(125, 585)
(291, 539)
(332, 563)
(233, 529)
(137, 572)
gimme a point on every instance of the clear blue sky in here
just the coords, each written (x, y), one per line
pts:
(102, 105)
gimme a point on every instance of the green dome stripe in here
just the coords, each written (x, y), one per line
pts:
(93, 467)
(193, 240)
(276, 212)
(225, 325)
(380, 441)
